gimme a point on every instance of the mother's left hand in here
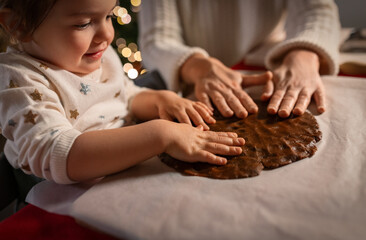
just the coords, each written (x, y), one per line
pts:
(295, 81)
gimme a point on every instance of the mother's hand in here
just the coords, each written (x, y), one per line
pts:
(223, 86)
(295, 81)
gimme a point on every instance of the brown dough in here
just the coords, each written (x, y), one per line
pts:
(270, 142)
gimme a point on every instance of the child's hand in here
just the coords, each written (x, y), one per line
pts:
(195, 145)
(171, 106)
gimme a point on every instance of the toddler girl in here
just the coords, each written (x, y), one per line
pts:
(64, 98)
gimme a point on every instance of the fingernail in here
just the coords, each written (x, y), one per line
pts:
(321, 109)
(223, 161)
(271, 110)
(229, 113)
(253, 110)
(282, 113)
(297, 111)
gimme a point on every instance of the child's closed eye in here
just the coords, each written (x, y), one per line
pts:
(82, 26)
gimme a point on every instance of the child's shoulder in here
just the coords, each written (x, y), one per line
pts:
(17, 68)
(13, 58)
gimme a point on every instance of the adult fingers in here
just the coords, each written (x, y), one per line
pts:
(220, 102)
(235, 104)
(256, 79)
(237, 99)
(319, 97)
(288, 102)
(302, 103)
(246, 101)
(204, 98)
(267, 90)
(275, 101)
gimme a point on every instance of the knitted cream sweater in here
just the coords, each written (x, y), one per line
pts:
(171, 30)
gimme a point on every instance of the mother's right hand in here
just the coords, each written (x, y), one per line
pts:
(215, 82)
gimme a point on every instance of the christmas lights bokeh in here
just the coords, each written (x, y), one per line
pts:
(126, 33)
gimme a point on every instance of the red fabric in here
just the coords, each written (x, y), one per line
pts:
(34, 223)
(242, 66)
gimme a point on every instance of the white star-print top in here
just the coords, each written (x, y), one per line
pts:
(43, 109)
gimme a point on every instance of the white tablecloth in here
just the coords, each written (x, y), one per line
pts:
(323, 197)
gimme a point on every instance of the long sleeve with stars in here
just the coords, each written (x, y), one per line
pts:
(43, 109)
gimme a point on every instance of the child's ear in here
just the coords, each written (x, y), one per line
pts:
(7, 21)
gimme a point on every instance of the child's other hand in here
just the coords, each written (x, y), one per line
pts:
(171, 106)
(195, 145)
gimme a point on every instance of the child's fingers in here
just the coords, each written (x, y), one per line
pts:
(204, 156)
(182, 117)
(230, 141)
(209, 110)
(222, 149)
(205, 114)
(164, 115)
(196, 118)
(200, 127)
(224, 134)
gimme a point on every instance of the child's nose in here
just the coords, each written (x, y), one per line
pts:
(105, 33)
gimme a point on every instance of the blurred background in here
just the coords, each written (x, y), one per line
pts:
(352, 15)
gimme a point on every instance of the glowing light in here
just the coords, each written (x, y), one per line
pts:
(119, 20)
(127, 67)
(126, 19)
(143, 71)
(132, 58)
(136, 3)
(132, 73)
(122, 11)
(126, 52)
(121, 42)
(137, 56)
(115, 10)
(133, 47)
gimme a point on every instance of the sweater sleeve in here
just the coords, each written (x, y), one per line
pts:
(34, 122)
(161, 41)
(312, 25)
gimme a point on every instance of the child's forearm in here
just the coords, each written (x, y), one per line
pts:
(99, 153)
(143, 105)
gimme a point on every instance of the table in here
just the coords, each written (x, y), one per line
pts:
(37, 223)
(322, 197)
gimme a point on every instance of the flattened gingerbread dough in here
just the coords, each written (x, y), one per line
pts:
(270, 142)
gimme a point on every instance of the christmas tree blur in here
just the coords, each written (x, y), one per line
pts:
(126, 34)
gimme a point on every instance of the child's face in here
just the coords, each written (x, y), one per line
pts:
(74, 35)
